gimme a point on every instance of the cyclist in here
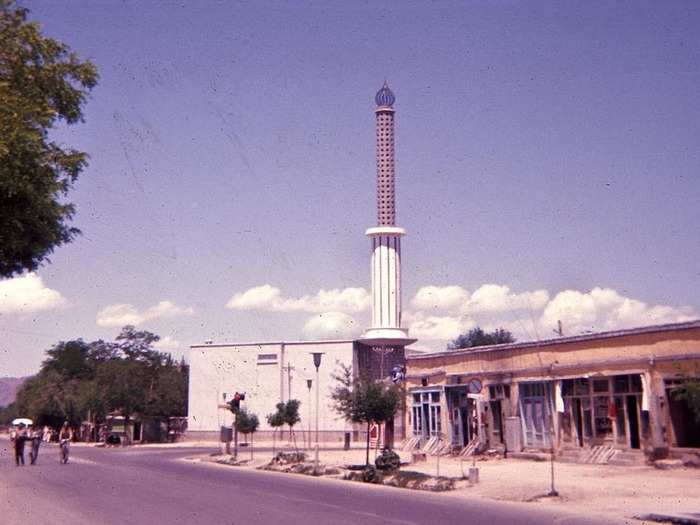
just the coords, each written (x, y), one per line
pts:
(65, 436)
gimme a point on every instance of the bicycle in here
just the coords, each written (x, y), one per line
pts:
(64, 451)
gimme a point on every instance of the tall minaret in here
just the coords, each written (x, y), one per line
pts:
(385, 330)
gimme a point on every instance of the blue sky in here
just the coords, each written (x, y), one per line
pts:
(548, 161)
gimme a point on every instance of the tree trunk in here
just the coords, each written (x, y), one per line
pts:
(127, 440)
(367, 456)
(294, 439)
(274, 432)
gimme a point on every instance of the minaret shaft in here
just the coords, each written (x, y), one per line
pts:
(386, 281)
(386, 202)
(386, 330)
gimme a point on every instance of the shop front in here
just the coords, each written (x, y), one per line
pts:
(615, 396)
(604, 410)
(426, 414)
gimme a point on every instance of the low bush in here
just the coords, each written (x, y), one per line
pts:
(388, 461)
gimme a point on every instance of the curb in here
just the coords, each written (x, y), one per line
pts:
(677, 519)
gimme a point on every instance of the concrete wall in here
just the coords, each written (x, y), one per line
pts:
(218, 369)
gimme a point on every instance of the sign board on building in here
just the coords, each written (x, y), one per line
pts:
(474, 385)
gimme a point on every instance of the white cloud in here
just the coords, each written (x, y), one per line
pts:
(440, 298)
(124, 314)
(497, 299)
(167, 309)
(488, 298)
(166, 343)
(27, 294)
(440, 313)
(331, 325)
(605, 309)
(269, 298)
(258, 298)
(438, 327)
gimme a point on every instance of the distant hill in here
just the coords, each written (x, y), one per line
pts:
(8, 389)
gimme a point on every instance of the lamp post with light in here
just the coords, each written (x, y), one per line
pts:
(317, 363)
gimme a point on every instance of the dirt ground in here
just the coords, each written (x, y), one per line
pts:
(612, 491)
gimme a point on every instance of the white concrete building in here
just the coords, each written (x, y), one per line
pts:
(268, 373)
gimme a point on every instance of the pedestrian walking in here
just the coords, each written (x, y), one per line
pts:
(18, 437)
(47, 434)
(34, 435)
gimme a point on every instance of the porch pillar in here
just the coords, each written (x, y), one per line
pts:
(655, 395)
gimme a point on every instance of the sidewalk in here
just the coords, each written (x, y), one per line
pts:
(611, 491)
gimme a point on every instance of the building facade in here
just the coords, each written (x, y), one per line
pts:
(267, 373)
(583, 396)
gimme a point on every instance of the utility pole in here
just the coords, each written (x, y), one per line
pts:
(559, 330)
(235, 436)
(289, 369)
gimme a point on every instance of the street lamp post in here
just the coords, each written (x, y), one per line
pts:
(317, 364)
(309, 382)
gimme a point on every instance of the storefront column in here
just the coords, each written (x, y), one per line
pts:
(444, 417)
(655, 398)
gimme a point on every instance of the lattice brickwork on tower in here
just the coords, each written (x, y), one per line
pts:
(386, 211)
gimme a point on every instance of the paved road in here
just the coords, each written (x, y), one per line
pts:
(153, 486)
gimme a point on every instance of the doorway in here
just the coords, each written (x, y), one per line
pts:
(535, 414)
(497, 421)
(633, 418)
(686, 427)
(425, 429)
(578, 420)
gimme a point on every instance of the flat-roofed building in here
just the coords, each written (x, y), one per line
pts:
(590, 397)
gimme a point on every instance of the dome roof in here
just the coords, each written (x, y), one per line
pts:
(385, 97)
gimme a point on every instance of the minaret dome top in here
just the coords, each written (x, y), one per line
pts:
(385, 97)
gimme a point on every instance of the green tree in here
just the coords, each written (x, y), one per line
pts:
(80, 380)
(8, 413)
(291, 418)
(167, 395)
(477, 337)
(143, 380)
(59, 392)
(276, 421)
(689, 391)
(246, 422)
(42, 84)
(287, 414)
(362, 400)
(122, 385)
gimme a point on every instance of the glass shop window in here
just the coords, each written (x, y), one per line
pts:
(435, 397)
(621, 384)
(416, 398)
(567, 387)
(620, 419)
(499, 392)
(601, 385)
(636, 381)
(603, 424)
(581, 387)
